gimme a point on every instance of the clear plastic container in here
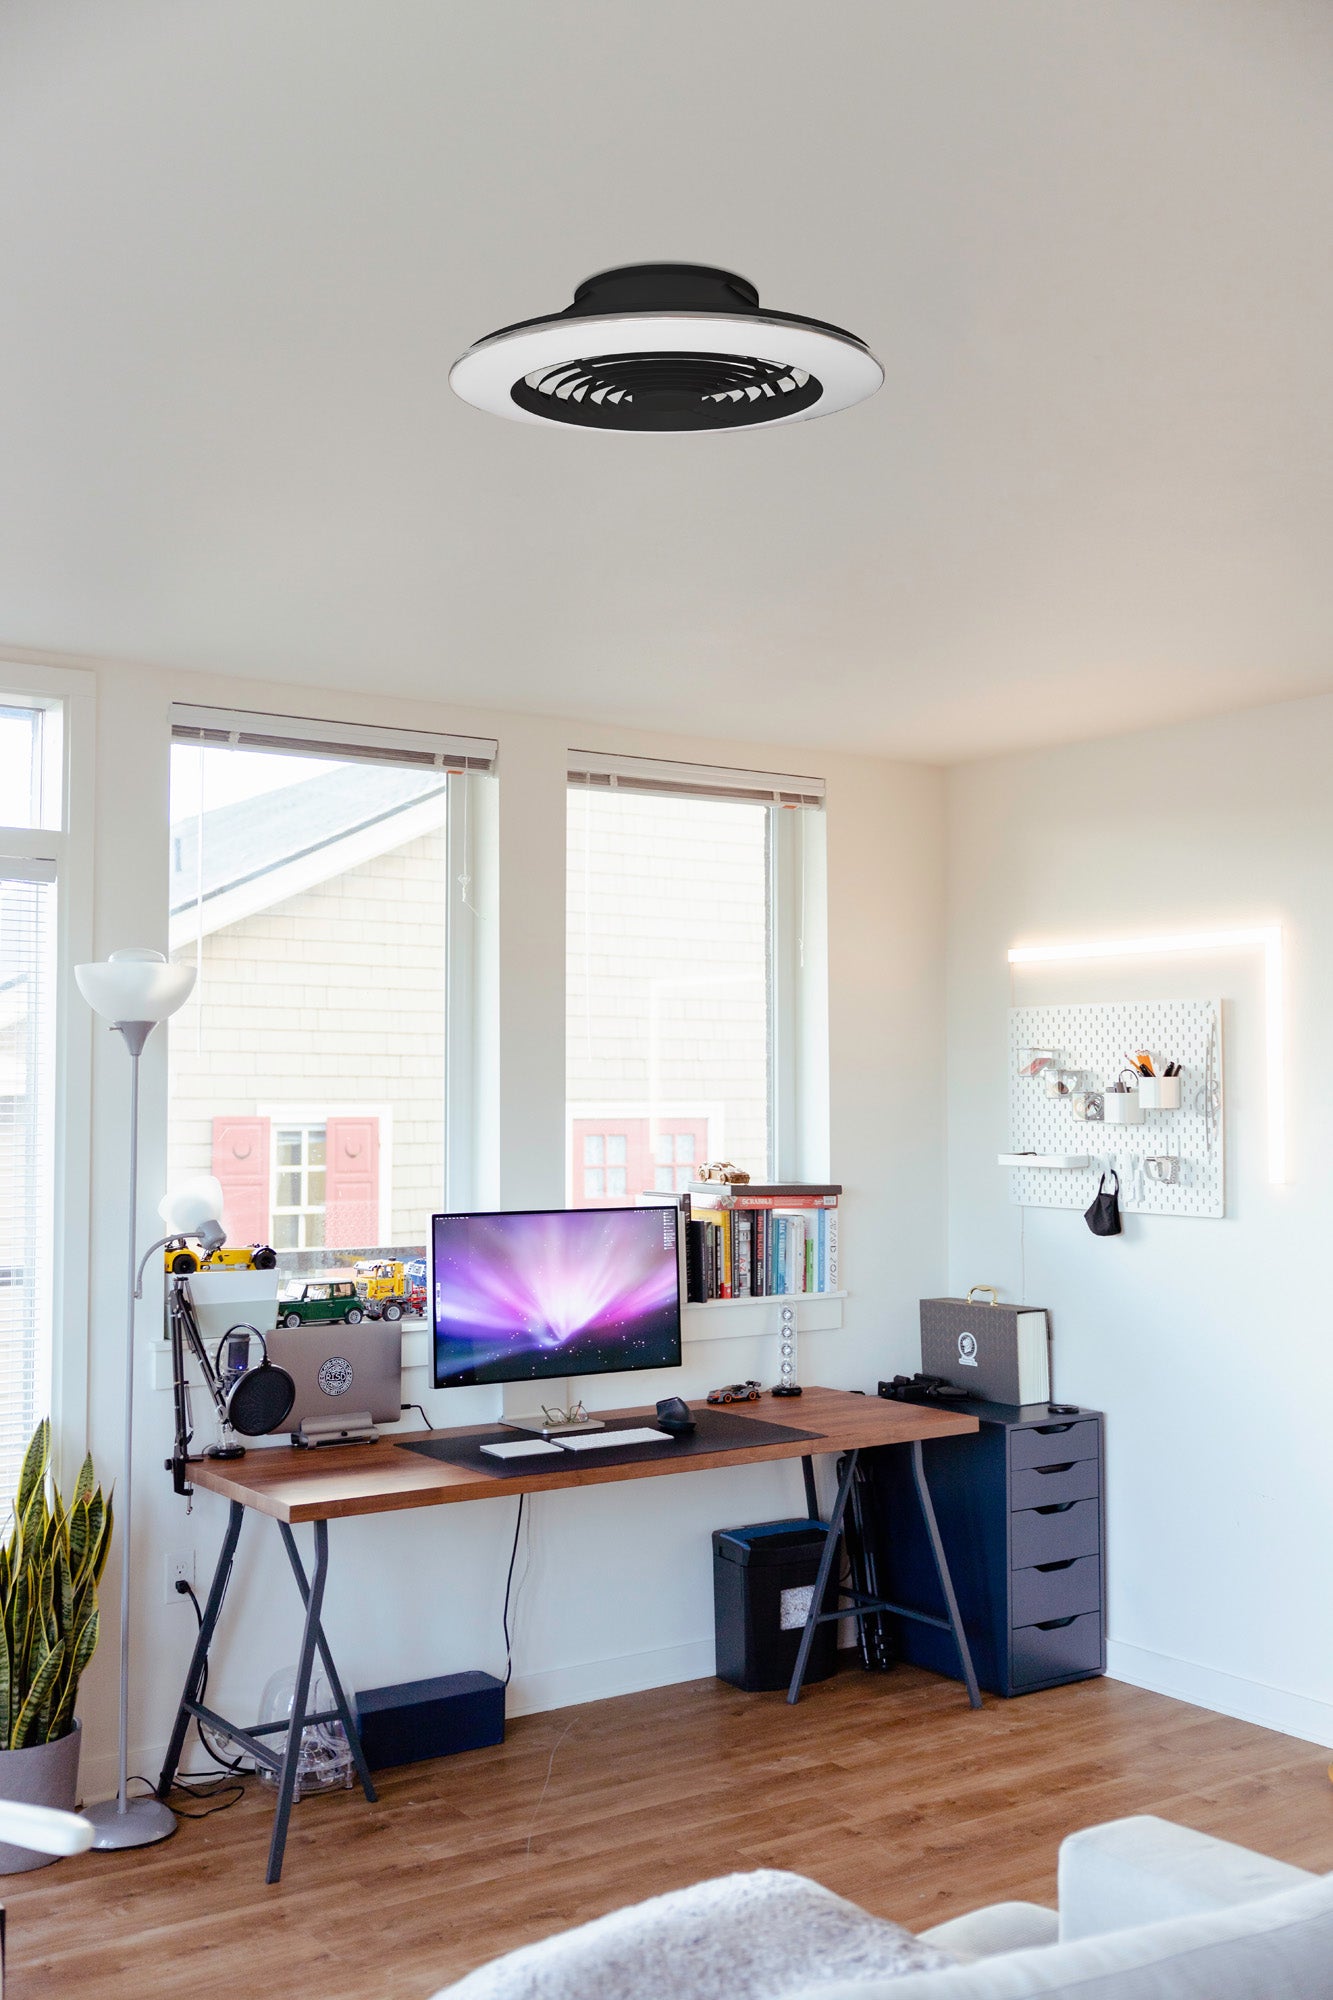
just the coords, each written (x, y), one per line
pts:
(325, 1762)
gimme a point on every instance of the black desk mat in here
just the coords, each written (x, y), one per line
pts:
(716, 1430)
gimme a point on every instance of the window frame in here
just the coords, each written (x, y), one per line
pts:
(70, 848)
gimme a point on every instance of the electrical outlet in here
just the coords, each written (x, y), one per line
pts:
(177, 1568)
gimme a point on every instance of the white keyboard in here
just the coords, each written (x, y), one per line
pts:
(524, 1448)
(608, 1440)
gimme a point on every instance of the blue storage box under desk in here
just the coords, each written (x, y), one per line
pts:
(433, 1718)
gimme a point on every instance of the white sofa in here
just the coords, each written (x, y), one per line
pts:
(1148, 1911)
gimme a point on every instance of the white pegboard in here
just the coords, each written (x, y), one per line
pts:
(1093, 1040)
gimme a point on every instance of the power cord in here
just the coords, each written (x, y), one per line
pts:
(223, 1762)
(424, 1418)
(212, 1788)
(509, 1644)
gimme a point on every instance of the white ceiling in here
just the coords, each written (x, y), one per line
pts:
(242, 240)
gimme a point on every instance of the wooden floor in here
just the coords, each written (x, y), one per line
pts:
(889, 1790)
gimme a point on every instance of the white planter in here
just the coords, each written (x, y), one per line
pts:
(45, 1774)
(224, 1299)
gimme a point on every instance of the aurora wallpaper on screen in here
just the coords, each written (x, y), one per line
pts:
(577, 1291)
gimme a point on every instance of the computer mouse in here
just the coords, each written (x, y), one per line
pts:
(673, 1414)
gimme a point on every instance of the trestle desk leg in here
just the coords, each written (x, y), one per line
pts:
(821, 1580)
(335, 1685)
(811, 1490)
(194, 1679)
(314, 1601)
(942, 1569)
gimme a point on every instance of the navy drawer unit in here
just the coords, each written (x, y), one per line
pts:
(1020, 1511)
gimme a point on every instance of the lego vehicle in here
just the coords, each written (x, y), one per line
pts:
(318, 1301)
(386, 1289)
(416, 1283)
(181, 1261)
(735, 1392)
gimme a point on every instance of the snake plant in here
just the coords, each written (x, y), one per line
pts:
(49, 1571)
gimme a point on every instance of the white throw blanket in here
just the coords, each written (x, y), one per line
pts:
(737, 1937)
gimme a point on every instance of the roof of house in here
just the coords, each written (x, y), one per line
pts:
(327, 822)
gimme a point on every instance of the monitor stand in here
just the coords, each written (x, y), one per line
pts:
(561, 1394)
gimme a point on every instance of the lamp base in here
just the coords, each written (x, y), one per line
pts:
(142, 1822)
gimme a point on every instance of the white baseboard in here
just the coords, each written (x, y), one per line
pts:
(1296, 1715)
(594, 1680)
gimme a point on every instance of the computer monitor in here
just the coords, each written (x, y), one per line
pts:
(530, 1295)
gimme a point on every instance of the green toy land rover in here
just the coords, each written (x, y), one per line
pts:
(307, 1304)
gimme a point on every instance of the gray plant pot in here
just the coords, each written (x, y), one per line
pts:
(46, 1774)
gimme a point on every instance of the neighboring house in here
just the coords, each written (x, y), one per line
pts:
(666, 991)
(309, 1077)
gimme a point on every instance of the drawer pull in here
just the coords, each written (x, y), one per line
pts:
(1068, 1466)
(1049, 1430)
(1056, 1507)
(1068, 1563)
(1052, 1624)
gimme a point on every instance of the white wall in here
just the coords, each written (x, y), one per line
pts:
(616, 1590)
(1207, 1343)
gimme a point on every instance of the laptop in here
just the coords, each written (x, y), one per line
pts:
(348, 1379)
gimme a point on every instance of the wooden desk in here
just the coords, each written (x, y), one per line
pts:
(334, 1482)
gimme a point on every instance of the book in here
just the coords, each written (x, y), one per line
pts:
(739, 1242)
(765, 1194)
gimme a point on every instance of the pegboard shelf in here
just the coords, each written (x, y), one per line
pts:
(1170, 1161)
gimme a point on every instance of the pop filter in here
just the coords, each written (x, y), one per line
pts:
(260, 1399)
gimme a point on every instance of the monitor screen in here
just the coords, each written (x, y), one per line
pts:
(527, 1295)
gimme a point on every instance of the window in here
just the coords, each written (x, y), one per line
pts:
(310, 885)
(686, 915)
(298, 1177)
(31, 799)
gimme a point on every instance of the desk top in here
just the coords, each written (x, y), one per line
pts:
(336, 1480)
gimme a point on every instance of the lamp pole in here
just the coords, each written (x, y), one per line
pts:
(134, 990)
(122, 1821)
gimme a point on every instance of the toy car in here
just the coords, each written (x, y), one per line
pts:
(386, 1289)
(735, 1392)
(320, 1301)
(182, 1262)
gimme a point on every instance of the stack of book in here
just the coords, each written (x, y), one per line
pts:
(752, 1240)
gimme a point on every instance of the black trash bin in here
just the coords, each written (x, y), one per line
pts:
(763, 1580)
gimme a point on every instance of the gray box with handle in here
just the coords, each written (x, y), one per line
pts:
(998, 1353)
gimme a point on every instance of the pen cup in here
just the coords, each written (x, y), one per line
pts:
(1120, 1105)
(1160, 1093)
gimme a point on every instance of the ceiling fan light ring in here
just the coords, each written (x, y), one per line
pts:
(845, 371)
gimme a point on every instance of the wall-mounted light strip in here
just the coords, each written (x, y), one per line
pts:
(1262, 937)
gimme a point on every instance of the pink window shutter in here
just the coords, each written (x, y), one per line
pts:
(352, 1186)
(241, 1161)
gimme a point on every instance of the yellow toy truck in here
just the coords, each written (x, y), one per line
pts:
(386, 1289)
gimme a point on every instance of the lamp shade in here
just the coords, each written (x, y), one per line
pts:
(190, 1203)
(135, 985)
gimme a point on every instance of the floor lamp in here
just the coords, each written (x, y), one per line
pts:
(134, 990)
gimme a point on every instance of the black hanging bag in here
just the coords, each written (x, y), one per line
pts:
(1103, 1218)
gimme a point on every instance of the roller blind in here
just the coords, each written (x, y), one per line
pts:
(27, 1081)
(305, 736)
(700, 781)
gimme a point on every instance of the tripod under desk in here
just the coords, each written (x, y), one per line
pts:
(330, 1484)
